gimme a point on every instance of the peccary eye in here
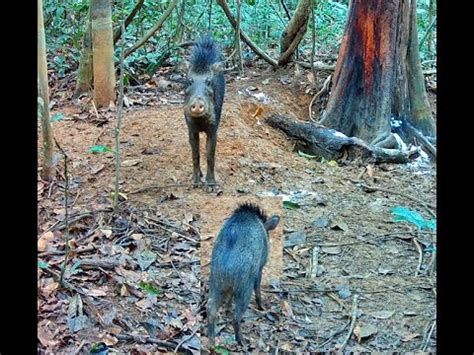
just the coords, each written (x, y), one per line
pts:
(208, 81)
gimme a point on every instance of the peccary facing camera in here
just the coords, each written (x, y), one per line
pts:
(203, 100)
(238, 257)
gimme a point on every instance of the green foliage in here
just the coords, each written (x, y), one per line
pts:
(149, 288)
(402, 214)
(263, 21)
(100, 149)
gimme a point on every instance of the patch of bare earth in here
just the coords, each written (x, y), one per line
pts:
(360, 250)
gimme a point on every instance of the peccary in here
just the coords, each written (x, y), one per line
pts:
(238, 257)
(204, 96)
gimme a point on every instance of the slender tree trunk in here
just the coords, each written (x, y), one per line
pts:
(430, 19)
(420, 110)
(103, 52)
(48, 171)
(238, 48)
(85, 75)
(294, 32)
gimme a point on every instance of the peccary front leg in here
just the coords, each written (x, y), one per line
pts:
(211, 154)
(194, 141)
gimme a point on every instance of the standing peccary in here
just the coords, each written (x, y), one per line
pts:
(203, 100)
(239, 254)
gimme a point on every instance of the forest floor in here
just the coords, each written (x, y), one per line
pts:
(138, 279)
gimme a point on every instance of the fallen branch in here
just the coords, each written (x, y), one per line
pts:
(144, 340)
(243, 35)
(331, 144)
(158, 187)
(79, 250)
(351, 327)
(105, 263)
(196, 328)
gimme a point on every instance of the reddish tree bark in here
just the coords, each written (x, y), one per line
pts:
(378, 73)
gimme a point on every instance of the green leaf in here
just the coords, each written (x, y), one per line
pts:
(56, 117)
(148, 287)
(221, 350)
(251, 2)
(42, 264)
(290, 205)
(308, 156)
(402, 214)
(100, 149)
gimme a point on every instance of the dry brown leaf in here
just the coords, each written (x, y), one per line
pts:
(124, 291)
(44, 336)
(107, 233)
(44, 240)
(370, 170)
(258, 112)
(409, 337)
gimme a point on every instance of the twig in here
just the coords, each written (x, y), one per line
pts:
(144, 340)
(155, 28)
(333, 335)
(50, 189)
(80, 346)
(427, 206)
(119, 121)
(196, 328)
(420, 257)
(158, 187)
(170, 231)
(79, 250)
(223, 4)
(100, 135)
(129, 19)
(66, 216)
(428, 337)
(353, 320)
(319, 93)
(313, 270)
(428, 30)
(95, 109)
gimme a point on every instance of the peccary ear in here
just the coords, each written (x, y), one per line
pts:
(217, 68)
(184, 66)
(271, 223)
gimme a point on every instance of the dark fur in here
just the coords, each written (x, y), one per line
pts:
(248, 207)
(204, 53)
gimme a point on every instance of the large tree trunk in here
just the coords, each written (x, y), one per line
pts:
(378, 73)
(359, 104)
(48, 171)
(85, 75)
(103, 52)
(294, 32)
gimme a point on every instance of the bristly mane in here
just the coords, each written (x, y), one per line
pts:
(205, 52)
(253, 208)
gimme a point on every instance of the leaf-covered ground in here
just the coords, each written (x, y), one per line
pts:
(134, 279)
